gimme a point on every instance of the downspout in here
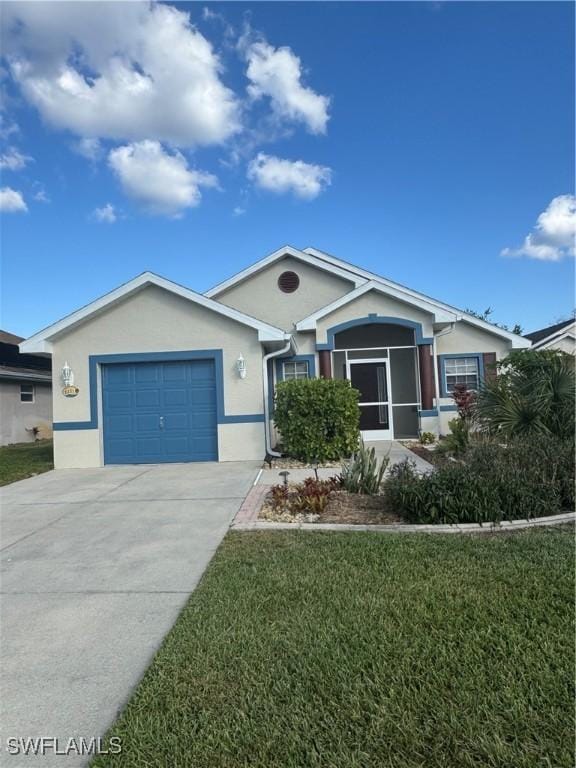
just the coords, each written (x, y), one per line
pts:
(267, 431)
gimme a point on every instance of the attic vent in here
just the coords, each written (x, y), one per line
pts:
(288, 282)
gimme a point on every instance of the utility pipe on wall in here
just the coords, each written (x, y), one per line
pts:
(267, 434)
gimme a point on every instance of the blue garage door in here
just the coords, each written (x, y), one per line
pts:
(159, 412)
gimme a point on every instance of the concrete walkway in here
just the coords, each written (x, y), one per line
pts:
(95, 567)
(392, 448)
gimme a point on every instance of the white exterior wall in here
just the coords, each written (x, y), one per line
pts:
(17, 418)
(155, 320)
(561, 344)
(260, 297)
(469, 338)
(466, 338)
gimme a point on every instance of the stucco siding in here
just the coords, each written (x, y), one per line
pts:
(305, 343)
(469, 338)
(154, 321)
(260, 297)
(77, 449)
(17, 419)
(244, 442)
(566, 344)
(373, 303)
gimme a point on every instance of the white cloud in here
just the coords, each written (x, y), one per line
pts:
(14, 160)
(91, 149)
(11, 201)
(238, 211)
(162, 182)
(106, 214)
(554, 235)
(277, 74)
(125, 71)
(275, 174)
(7, 126)
(40, 193)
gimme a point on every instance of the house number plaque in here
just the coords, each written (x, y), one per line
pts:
(70, 391)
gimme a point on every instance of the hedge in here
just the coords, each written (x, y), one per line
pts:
(318, 419)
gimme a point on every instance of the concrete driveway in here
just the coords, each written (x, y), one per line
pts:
(95, 567)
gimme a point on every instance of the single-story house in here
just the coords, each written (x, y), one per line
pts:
(25, 393)
(164, 374)
(561, 337)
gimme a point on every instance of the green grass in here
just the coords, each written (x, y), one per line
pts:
(23, 460)
(365, 651)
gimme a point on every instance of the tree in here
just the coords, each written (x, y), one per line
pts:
(516, 328)
(532, 395)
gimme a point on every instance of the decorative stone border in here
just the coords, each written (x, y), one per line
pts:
(249, 522)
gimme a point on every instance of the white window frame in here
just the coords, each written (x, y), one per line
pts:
(33, 393)
(295, 375)
(461, 370)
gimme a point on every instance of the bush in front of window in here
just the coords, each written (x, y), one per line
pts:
(318, 419)
(533, 394)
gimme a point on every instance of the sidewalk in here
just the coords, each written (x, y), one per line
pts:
(392, 448)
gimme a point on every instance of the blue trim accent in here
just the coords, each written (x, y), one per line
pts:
(371, 319)
(442, 358)
(431, 412)
(149, 357)
(245, 418)
(64, 426)
(445, 408)
(310, 359)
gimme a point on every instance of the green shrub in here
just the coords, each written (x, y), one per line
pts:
(533, 394)
(427, 438)
(493, 482)
(456, 442)
(363, 473)
(318, 419)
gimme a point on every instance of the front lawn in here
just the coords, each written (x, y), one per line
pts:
(365, 651)
(23, 460)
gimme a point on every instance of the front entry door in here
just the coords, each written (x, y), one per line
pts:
(372, 379)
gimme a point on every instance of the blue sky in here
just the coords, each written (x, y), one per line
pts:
(429, 142)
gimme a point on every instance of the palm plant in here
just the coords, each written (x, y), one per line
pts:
(532, 395)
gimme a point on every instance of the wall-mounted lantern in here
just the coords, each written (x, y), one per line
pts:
(67, 375)
(241, 367)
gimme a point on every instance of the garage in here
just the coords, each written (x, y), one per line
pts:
(159, 412)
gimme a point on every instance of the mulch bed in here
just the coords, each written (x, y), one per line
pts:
(345, 507)
(284, 462)
(425, 453)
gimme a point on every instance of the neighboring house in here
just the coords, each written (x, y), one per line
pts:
(561, 336)
(168, 375)
(25, 393)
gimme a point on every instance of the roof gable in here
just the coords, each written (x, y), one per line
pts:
(440, 316)
(41, 341)
(281, 253)
(517, 341)
(550, 331)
